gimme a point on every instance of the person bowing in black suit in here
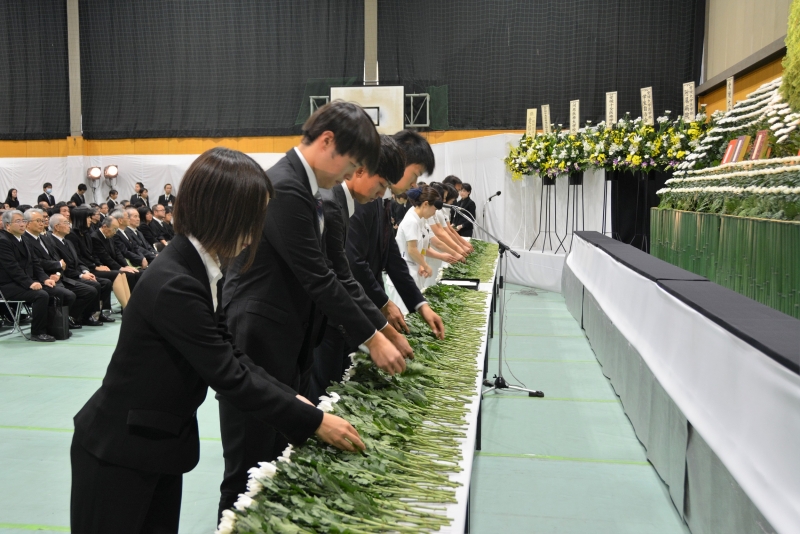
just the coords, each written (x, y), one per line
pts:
(138, 433)
(106, 254)
(372, 249)
(79, 198)
(275, 310)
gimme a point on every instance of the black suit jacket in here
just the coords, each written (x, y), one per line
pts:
(82, 243)
(48, 259)
(369, 256)
(66, 251)
(105, 253)
(172, 347)
(273, 305)
(18, 265)
(50, 199)
(79, 200)
(468, 205)
(147, 234)
(159, 230)
(336, 225)
(139, 238)
(162, 199)
(111, 205)
(129, 248)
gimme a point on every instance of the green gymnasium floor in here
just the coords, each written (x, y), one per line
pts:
(568, 463)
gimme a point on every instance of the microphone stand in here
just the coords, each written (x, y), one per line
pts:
(499, 382)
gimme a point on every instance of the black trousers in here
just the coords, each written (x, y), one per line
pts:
(106, 281)
(245, 442)
(110, 498)
(36, 299)
(86, 299)
(330, 362)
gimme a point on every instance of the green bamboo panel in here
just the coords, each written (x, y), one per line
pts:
(758, 258)
(686, 239)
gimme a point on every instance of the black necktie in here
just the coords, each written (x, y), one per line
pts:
(320, 214)
(386, 230)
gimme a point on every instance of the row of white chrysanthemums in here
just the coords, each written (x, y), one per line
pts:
(766, 102)
(269, 469)
(752, 189)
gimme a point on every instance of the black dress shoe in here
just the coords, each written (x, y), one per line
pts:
(74, 325)
(43, 338)
(91, 321)
(106, 319)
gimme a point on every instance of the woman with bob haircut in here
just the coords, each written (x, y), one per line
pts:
(138, 433)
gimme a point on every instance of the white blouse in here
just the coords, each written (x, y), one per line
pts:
(412, 228)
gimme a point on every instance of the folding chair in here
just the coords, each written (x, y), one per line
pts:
(15, 314)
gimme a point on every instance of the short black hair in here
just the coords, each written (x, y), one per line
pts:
(354, 133)
(392, 163)
(452, 180)
(77, 217)
(81, 187)
(140, 184)
(416, 149)
(450, 192)
(46, 185)
(113, 192)
(223, 177)
(466, 187)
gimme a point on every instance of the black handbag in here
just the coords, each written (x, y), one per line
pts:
(58, 320)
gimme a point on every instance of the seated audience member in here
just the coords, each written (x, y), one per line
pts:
(63, 209)
(47, 195)
(45, 206)
(168, 222)
(167, 199)
(79, 197)
(126, 204)
(107, 254)
(134, 221)
(77, 273)
(24, 207)
(157, 225)
(143, 200)
(130, 249)
(96, 219)
(81, 297)
(145, 218)
(103, 210)
(137, 192)
(22, 278)
(81, 238)
(2, 226)
(111, 201)
(11, 200)
(462, 224)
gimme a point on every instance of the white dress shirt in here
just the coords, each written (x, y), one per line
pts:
(351, 203)
(312, 181)
(212, 265)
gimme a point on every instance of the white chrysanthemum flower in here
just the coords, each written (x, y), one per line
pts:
(243, 503)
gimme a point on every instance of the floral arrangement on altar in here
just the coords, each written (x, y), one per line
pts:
(763, 188)
(629, 145)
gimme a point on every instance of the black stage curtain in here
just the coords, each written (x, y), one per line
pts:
(631, 200)
(34, 85)
(498, 58)
(211, 68)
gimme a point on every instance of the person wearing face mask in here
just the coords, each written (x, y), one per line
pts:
(275, 309)
(47, 195)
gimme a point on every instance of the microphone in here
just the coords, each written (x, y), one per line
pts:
(495, 195)
(449, 207)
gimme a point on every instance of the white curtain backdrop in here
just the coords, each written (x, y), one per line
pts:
(513, 216)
